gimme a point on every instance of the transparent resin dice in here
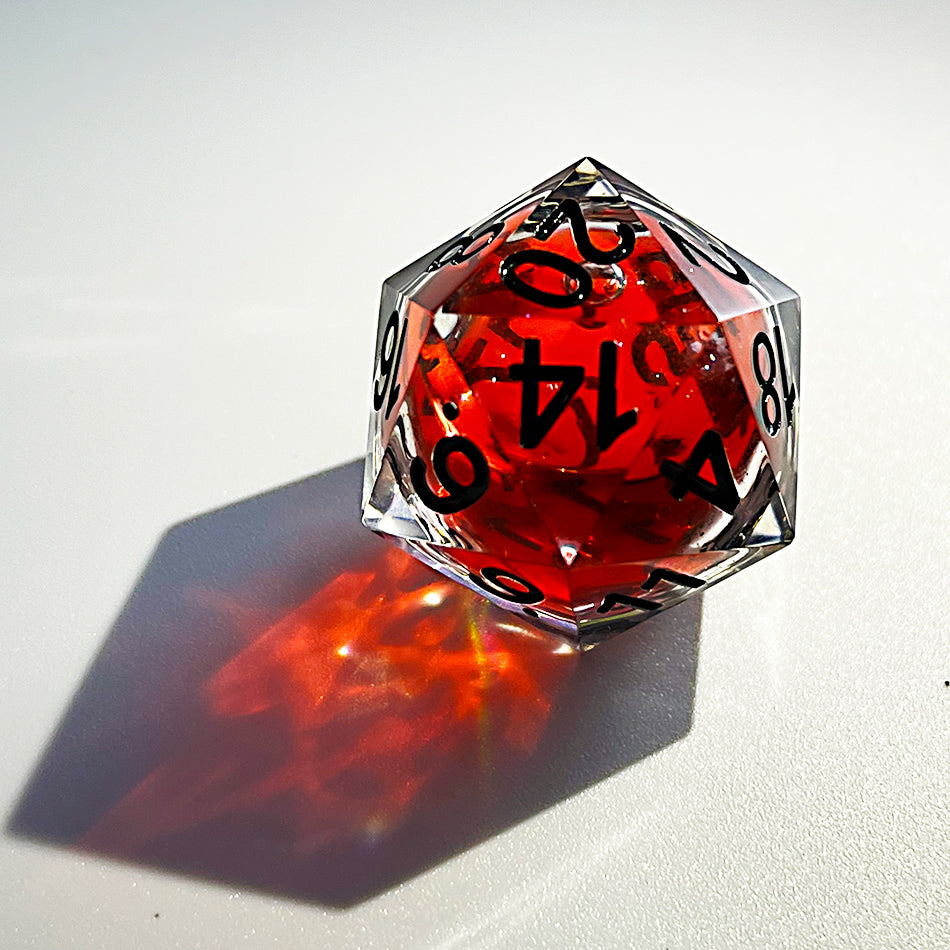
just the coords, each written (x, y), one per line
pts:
(585, 407)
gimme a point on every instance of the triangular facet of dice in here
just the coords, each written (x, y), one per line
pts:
(584, 407)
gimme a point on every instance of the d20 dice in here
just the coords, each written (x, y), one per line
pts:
(585, 407)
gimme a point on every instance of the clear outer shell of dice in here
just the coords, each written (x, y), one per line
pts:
(585, 407)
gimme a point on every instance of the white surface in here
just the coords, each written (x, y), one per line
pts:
(197, 207)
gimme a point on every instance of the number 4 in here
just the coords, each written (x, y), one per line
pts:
(686, 478)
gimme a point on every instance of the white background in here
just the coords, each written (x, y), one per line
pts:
(198, 203)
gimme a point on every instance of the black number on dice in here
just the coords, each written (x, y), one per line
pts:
(770, 396)
(464, 247)
(390, 356)
(492, 579)
(674, 577)
(569, 209)
(459, 496)
(656, 575)
(617, 600)
(688, 247)
(686, 478)
(582, 280)
(771, 417)
(531, 373)
(534, 425)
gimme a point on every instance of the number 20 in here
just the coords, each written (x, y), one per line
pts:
(568, 210)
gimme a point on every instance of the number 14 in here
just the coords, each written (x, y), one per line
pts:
(535, 424)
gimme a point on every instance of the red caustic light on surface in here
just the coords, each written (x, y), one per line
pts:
(368, 692)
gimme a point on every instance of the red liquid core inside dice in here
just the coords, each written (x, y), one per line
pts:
(610, 506)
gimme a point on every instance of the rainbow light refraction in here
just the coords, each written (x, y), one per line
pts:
(333, 721)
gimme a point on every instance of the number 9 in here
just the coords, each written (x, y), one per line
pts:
(459, 496)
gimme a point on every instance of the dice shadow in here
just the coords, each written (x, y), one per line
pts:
(193, 745)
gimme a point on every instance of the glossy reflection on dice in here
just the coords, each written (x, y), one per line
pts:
(584, 407)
